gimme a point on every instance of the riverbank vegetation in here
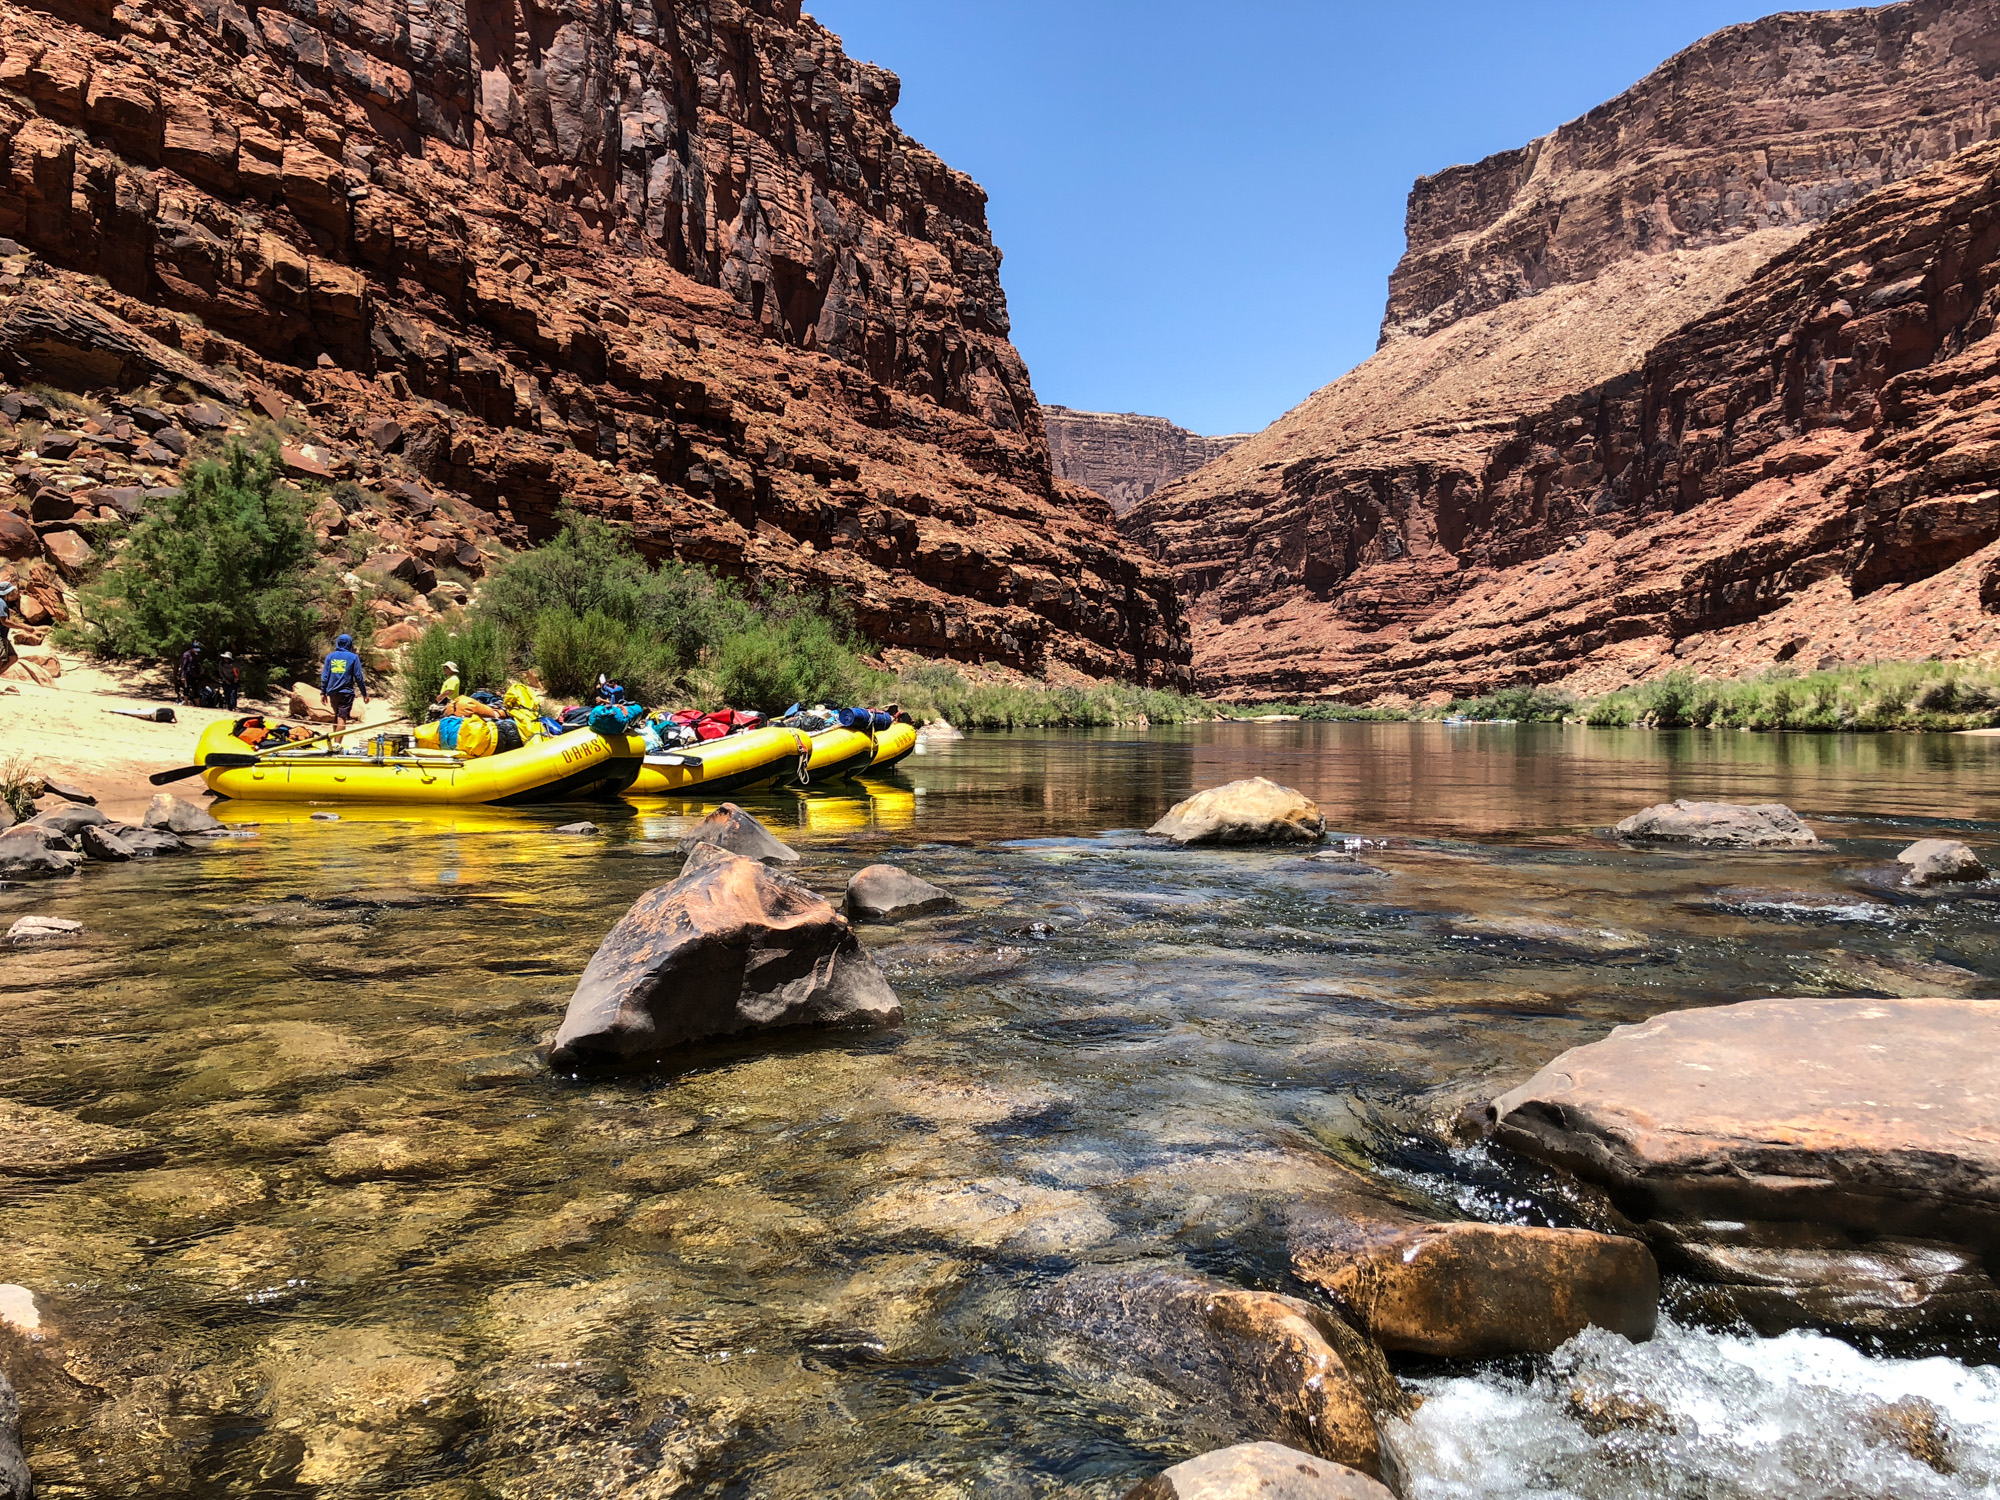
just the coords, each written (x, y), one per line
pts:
(680, 634)
(226, 560)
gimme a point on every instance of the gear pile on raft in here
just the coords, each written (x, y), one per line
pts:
(510, 750)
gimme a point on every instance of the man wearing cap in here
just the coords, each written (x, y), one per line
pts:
(341, 676)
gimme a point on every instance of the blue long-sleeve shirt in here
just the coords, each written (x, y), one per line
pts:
(342, 672)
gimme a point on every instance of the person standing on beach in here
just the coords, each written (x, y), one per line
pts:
(191, 674)
(229, 680)
(341, 676)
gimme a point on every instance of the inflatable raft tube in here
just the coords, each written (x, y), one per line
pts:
(893, 746)
(566, 768)
(733, 763)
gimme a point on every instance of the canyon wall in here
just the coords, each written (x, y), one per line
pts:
(671, 263)
(1477, 504)
(1124, 457)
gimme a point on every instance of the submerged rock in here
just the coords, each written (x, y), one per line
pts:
(38, 1142)
(1237, 1362)
(577, 830)
(1721, 825)
(729, 949)
(168, 812)
(1480, 1291)
(938, 732)
(1255, 811)
(1259, 1471)
(730, 827)
(884, 893)
(1941, 862)
(40, 929)
(1835, 1161)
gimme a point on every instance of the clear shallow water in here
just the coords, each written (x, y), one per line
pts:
(362, 1244)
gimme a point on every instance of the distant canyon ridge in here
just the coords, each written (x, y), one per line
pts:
(1707, 378)
(1125, 457)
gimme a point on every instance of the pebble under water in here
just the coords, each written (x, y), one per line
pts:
(331, 1229)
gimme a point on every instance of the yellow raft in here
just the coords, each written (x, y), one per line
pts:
(773, 756)
(734, 763)
(565, 768)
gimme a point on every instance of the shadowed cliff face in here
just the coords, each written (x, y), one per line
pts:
(1475, 505)
(673, 262)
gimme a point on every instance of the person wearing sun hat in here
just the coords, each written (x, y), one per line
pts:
(448, 694)
(229, 680)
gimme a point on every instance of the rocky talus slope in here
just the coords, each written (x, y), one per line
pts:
(1554, 470)
(675, 265)
(1124, 457)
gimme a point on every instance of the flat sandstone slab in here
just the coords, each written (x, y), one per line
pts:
(1878, 1116)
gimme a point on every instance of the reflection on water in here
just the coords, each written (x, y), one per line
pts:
(357, 1241)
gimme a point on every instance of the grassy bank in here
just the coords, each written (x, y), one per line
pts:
(938, 690)
(1881, 697)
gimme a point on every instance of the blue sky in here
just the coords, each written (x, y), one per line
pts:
(1200, 204)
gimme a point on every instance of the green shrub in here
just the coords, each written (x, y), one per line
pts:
(1539, 705)
(571, 651)
(794, 655)
(227, 561)
(476, 645)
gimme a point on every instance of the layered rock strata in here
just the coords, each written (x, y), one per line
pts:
(675, 265)
(1124, 457)
(1659, 389)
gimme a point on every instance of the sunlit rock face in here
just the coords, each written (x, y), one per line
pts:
(1664, 388)
(674, 264)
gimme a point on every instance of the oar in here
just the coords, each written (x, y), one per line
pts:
(245, 762)
(220, 762)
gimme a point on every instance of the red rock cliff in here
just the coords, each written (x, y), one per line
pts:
(674, 263)
(1379, 538)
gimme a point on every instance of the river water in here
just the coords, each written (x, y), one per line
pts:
(344, 1235)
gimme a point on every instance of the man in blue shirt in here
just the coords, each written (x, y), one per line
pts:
(341, 676)
(6, 636)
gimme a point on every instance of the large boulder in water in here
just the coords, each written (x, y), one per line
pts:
(1256, 811)
(1259, 1471)
(1832, 1162)
(1479, 1291)
(25, 854)
(1941, 862)
(728, 950)
(884, 893)
(730, 827)
(67, 820)
(168, 812)
(1721, 825)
